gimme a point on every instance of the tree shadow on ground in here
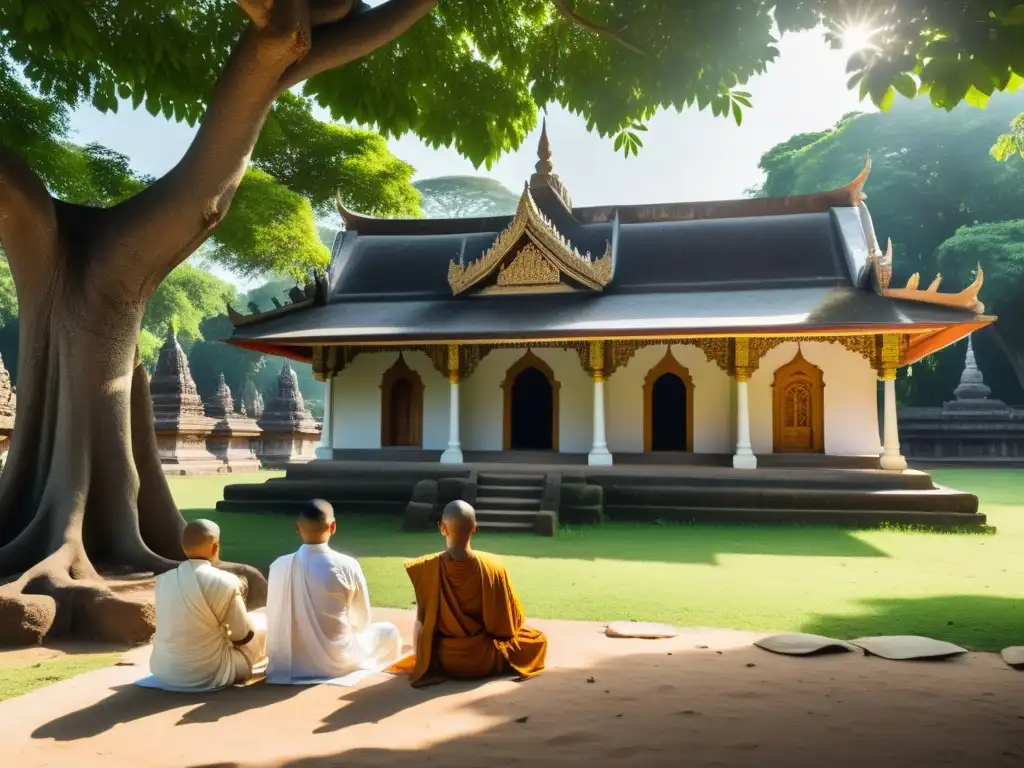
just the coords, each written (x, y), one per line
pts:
(735, 707)
(974, 621)
(130, 702)
(259, 538)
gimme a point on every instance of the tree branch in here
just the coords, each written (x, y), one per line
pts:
(572, 17)
(352, 38)
(258, 11)
(28, 218)
(328, 11)
(153, 232)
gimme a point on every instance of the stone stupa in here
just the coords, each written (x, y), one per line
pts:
(235, 437)
(972, 428)
(290, 433)
(182, 427)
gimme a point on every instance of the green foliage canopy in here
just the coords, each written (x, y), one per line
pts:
(473, 73)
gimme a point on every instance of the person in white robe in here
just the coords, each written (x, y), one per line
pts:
(205, 638)
(319, 624)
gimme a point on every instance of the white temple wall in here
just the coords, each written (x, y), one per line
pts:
(483, 405)
(850, 411)
(712, 401)
(356, 400)
(851, 405)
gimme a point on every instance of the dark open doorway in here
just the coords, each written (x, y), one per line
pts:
(668, 420)
(532, 412)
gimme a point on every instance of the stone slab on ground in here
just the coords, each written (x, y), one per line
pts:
(803, 644)
(704, 697)
(908, 648)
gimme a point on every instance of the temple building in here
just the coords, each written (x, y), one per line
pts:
(617, 334)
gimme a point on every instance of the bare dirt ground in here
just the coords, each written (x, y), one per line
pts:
(701, 699)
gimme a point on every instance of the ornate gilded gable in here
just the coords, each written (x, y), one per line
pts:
(531, 254)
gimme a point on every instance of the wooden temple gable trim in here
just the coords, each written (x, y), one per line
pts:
(849, 195)
(539, 265)
(881, 272)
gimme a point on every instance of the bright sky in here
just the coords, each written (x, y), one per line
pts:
(689, 156)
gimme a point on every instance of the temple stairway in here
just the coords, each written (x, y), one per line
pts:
(509, 502)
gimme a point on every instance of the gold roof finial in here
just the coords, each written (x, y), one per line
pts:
(544, 164)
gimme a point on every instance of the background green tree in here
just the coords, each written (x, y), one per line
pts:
(471, 74)
(459, 197)
(932, 179)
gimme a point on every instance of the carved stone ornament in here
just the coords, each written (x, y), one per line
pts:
(530, 223)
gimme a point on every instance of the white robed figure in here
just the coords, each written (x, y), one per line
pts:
(205, 638)
(319, 624)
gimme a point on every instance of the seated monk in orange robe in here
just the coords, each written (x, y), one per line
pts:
(469, 622)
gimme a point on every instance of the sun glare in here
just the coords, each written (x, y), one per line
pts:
(856, 37)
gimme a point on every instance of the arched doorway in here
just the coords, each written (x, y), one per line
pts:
(668, 407)
(798, 407)
(401, 401)
(531, 406)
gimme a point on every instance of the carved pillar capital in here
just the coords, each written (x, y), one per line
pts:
(890, 355)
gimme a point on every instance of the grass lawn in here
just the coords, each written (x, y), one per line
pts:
(19, 679)
(965, 588)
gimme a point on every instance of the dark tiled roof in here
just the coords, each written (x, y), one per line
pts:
(568, 315)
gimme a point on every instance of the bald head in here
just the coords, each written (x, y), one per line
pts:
(201, 540)
(316, 521)
(458, 523)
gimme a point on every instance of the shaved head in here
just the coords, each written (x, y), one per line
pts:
(458, 524)
(201, 540)
(316, 521)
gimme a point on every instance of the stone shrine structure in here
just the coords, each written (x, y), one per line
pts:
(289, 431)
(235, 437)
(973, 427)
(182, 427)
(8, 408)
(250, 402)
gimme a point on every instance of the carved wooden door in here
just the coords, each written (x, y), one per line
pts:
(402, 432)
(797, 420)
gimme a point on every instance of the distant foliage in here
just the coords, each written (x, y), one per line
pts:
(461, 197)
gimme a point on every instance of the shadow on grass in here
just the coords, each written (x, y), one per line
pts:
(977, 623)
(737, 707)
(259, 538)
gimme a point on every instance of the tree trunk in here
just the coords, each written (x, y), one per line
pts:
(82, 495)
(83, 462)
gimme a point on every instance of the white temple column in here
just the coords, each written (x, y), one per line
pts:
(453, 453)
(889, 358)
(744, 457)
(325, 449)
(891, 457)
(599, 455)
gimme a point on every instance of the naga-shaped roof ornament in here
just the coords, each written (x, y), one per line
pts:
(881, 268)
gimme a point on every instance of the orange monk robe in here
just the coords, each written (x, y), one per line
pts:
(472, 621)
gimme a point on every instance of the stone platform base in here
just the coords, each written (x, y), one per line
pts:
(514, 494)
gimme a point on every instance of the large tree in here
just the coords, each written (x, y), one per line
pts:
(82, 487)
(459, 197)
